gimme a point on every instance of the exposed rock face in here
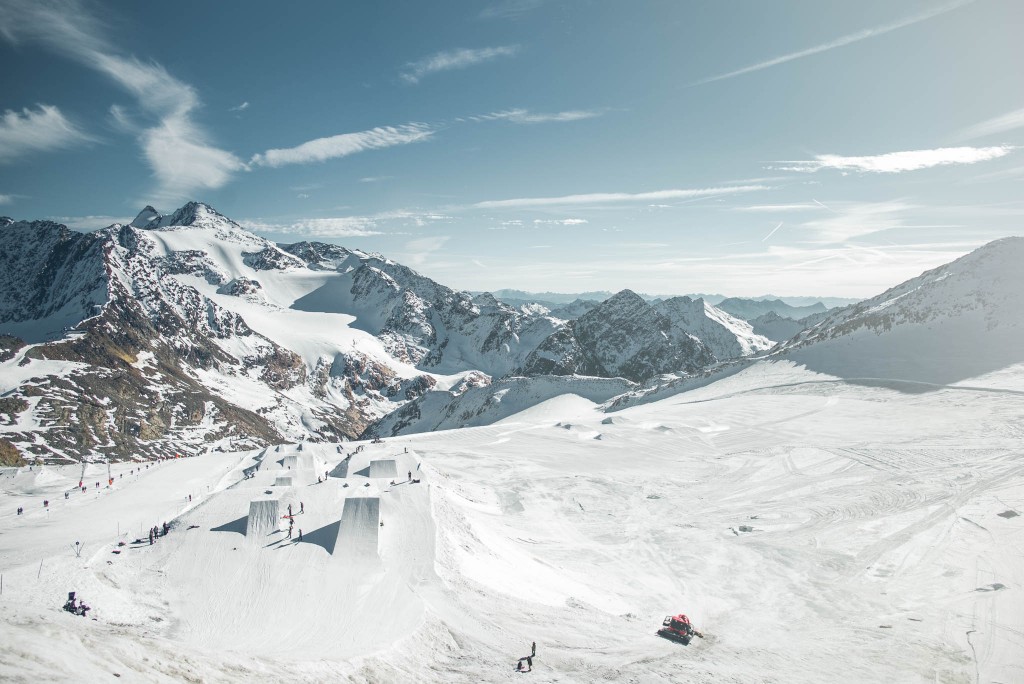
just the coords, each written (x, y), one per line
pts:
(51, 278)
(622, 337)
(9, 455)
(727, 337)
(239, 287)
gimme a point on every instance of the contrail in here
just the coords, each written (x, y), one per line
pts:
(772, 233)
(838, 42)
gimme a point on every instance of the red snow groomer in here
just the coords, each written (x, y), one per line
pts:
(678, 628)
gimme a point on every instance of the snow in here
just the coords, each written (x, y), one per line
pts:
(814, 529)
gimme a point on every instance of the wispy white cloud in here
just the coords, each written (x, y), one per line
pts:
(38, 130)
(341, 226)
(838, 42)
(524, 116)
(509, 9)
(1000, 124)
(90, 222)
(177, 148)
(611, 197)
(347, 226)
(420, 249)
(454, 59)
(777, 208)
(345, 144)
(899, 162)
(850, 220)
(374, 179)
(240, 108)
(6, 199)
(560, 222)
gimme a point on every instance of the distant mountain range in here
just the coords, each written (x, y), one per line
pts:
(182, 332)
(555, 299)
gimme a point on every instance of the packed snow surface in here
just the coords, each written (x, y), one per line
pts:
(815, 530)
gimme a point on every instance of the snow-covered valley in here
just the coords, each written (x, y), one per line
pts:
(813, 529)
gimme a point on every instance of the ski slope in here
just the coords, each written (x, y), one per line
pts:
(814, 529)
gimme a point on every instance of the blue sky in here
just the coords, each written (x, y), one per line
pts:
(793, 147)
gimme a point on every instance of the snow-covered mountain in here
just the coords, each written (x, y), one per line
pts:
(953, 322)
(727, 337)
(420, 321)
(182, 331)
(626, 336)
(623, 337)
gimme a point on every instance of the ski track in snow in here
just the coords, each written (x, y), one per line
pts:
(814, 530)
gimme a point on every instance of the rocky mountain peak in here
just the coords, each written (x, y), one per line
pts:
(191, 214)
(623, 298)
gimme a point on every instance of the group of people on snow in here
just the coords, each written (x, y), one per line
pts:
(75, 606)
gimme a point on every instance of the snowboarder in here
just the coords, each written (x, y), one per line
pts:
(167, 528)
(151, 537)
(66, 495)
(46, 503)
(519, 665)
(289, 510)
(302, 507)
(289, 531)
(533, 648)
(300, 534)
(529, 662)
(410, 476)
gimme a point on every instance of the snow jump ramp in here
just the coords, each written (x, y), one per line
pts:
(341, 470)
(283, 481)
(358, 531)
(264, 517)
(383, 468)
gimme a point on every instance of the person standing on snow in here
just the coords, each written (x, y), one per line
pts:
(302, 507)
(533, 648)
